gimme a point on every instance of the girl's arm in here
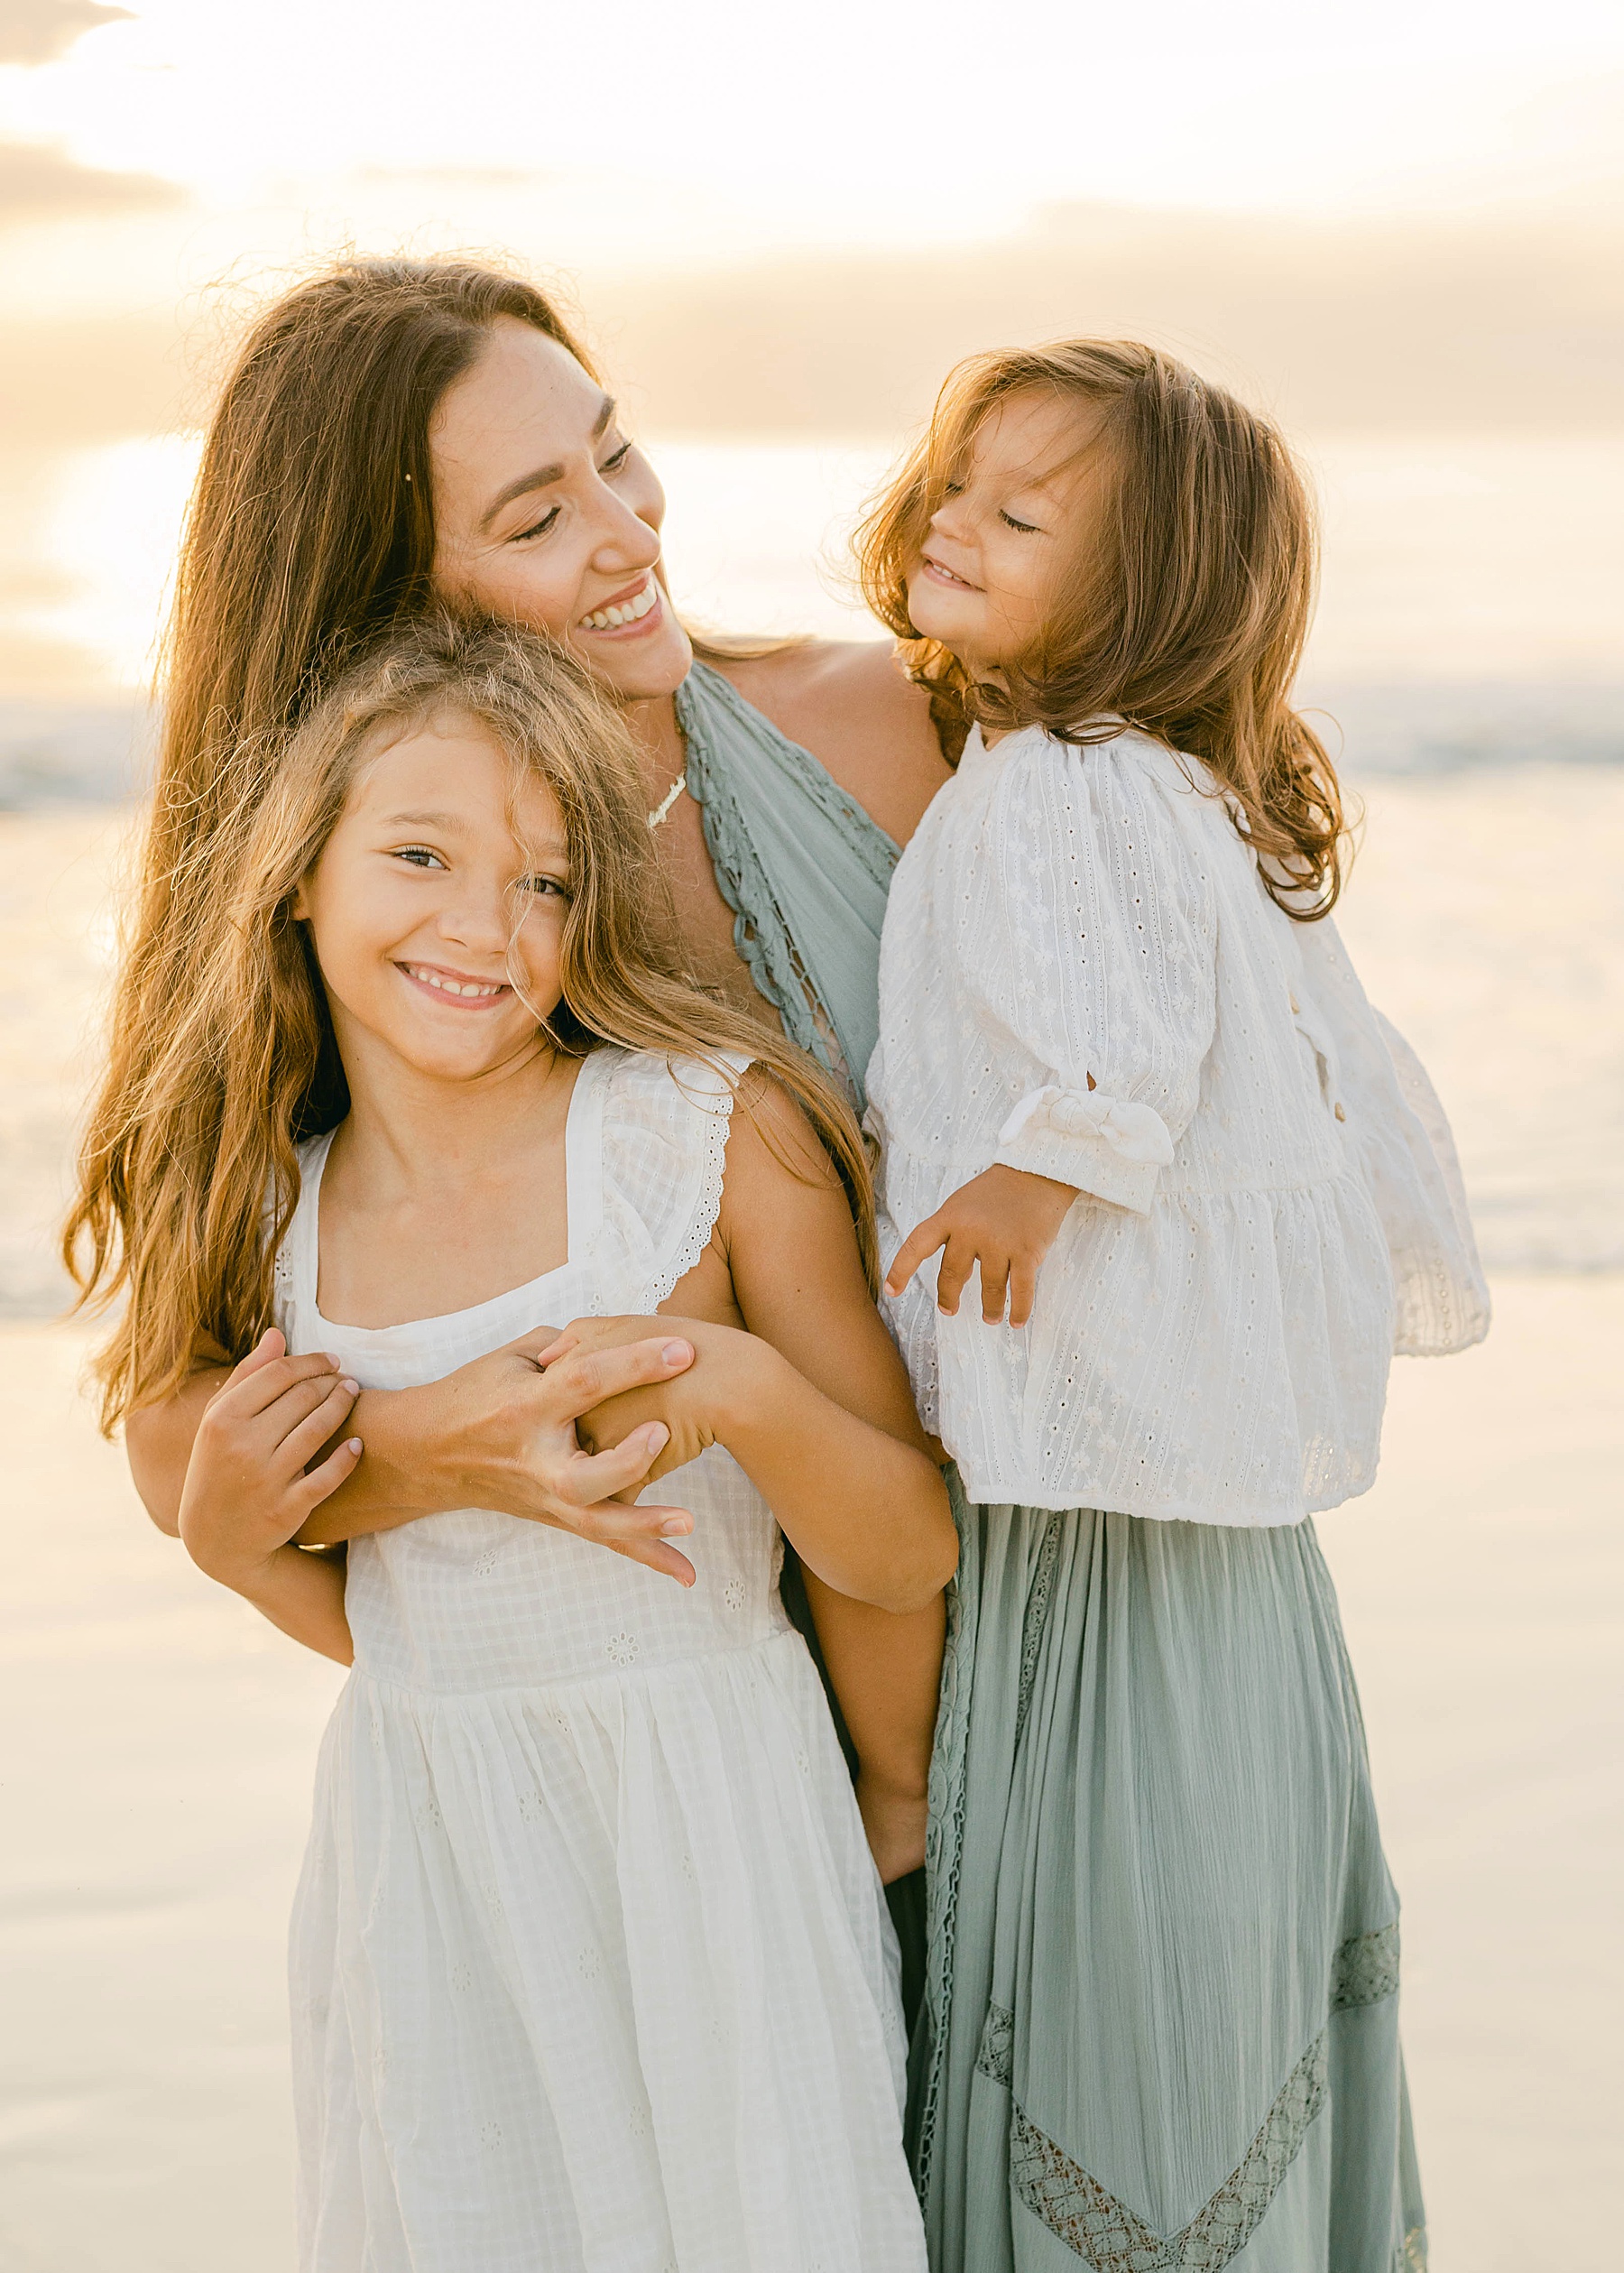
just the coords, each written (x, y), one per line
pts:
(810, 1398)
(784, 1262)
(498, 1433)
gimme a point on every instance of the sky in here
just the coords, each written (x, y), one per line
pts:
(165, 140)
(1398, 219)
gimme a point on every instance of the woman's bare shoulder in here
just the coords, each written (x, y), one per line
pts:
(851, 703)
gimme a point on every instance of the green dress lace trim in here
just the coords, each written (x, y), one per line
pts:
(804, 869)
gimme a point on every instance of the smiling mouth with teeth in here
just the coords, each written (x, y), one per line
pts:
(463, 990)
(631, 611)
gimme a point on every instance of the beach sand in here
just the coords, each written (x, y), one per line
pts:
(160, 1741)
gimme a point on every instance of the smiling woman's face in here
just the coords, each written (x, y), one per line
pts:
(545, 513)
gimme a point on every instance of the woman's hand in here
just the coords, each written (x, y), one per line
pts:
(686, 1406)
(499, 1433)
(1005, 1220)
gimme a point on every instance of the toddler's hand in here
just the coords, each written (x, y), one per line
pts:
(1006, 1220)
(247, 1492)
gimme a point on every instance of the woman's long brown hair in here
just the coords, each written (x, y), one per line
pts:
(189, 1171)
(1186, 616)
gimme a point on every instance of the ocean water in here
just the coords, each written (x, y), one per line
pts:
(1469, 660)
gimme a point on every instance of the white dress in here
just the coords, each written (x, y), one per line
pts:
(1081, 975)
(590, 1968)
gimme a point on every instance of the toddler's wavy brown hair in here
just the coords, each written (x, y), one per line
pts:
(1184, 616)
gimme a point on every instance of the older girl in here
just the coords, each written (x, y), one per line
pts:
(394, 432)
(589, 1957)
(1118, 1030)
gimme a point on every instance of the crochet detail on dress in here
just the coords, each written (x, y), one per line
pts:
(1108, 2236)
(1411, 2255)
(996, 2058)
(944, 1831)
(719, 1117)
(1036, 1621)
(1365, 1968)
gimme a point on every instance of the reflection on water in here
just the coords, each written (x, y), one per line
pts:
(1447, 558)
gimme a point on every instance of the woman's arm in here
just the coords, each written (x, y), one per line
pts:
(499, 1433)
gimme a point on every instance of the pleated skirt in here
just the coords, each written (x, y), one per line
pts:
(1161, 2023)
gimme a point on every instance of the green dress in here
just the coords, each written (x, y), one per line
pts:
(1159, 2031)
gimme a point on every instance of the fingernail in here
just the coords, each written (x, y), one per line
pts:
(354, 1445)
(676, 1352)
(334, 1362)
(678, 1527)
(354, 1387)
(657, 1437)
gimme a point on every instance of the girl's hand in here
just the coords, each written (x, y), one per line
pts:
(247, 1492)
(1004, 1220)
(686, 1406)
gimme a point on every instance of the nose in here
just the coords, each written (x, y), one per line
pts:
(479, 919)
(950, 520)
(628, 538)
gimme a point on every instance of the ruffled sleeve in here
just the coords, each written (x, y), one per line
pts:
(1103, 967)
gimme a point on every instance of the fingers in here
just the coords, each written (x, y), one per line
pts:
(593, 1477)
(336, 1469)
(589, 1378)
(994, 1288)
(920, 1242)
(654, 1555)
(1023, 1288)
(304, 1441)
(957, 1262)
(270, 1345)
(272, 1377)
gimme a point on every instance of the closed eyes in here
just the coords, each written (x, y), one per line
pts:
(614, 464)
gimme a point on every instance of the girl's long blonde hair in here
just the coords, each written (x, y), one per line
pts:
(1186, 616)
(223, 1059)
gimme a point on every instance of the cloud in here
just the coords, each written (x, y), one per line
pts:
(39, 183)
(35, 32)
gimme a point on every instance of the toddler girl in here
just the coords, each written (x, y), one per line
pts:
(1126, 1082)
(590, 1965)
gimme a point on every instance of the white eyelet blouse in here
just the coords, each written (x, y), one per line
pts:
(1081, 976)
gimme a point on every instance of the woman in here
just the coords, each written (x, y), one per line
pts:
(399, 430)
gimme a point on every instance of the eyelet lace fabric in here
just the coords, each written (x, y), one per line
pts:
(718, 1107)
(550, 1772)
(1263, 1213)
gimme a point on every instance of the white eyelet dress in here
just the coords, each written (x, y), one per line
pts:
(590, 1967)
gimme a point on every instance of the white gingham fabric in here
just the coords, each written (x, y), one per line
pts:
(591, 1970)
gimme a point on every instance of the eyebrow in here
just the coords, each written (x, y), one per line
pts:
(450, 825)
(543, 475)
(448, 821)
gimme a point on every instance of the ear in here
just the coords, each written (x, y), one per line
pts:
(300, 910)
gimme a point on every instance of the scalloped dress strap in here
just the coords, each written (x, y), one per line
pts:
(805, 870)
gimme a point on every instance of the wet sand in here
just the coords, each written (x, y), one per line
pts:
(159, 1745)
